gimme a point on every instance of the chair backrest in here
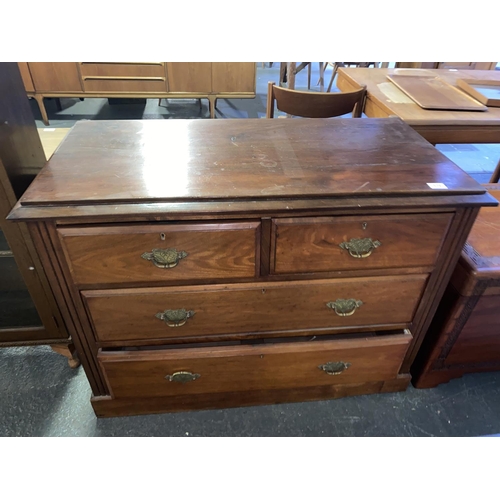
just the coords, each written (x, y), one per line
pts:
(314, 104)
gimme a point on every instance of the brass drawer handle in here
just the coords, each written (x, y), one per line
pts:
(183, 377)
(334, 367)
(164, 257)
(175, 317)
(360, 248)
(344, 307)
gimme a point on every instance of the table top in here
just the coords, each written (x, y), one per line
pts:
(393, 101)
(243, 159)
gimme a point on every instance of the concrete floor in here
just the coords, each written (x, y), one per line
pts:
(41, 396)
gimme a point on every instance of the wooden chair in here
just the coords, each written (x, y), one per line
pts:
(314, 104)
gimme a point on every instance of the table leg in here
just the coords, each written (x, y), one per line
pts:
(43, 111)
(496, 174)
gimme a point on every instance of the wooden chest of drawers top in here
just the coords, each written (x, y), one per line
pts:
(240, 161)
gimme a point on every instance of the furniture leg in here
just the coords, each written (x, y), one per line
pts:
(334, 72)
(309, 76)
(291, 75)
(282, 73)
(212, 101)
(496, 174)
(69, 351)
(321, 81)
(41, 106)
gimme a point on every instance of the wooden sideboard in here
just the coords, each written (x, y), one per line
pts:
(216, 263)
(209, 80)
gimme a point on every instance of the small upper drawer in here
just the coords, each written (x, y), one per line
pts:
(322, 244)
(162, 253)
(118, 70)
(150, 373)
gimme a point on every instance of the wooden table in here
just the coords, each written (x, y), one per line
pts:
(438, 127)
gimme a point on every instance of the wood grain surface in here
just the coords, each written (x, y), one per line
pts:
(255, 307)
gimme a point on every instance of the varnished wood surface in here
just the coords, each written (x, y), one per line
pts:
(112, 254)
(312, 244)
(250, 368)
(54, 77)
(482, 252)
(432, 92)
(122, 70)
(108, 407)
(233, 77)
(257, 307)
(124, 85)
(190, 77)
(378, 86)
(235, 159)
(26, 76)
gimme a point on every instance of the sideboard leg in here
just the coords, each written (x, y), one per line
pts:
(43, 111)
(496, 174)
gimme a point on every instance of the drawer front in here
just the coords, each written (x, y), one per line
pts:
(132, 84)
(325, 244)
(158, 373)
(119, 70)
(124, 253)
(159, 313)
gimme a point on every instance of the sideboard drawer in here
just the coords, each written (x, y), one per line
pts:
(123, 69)
(140, 314)
(322, 244)
(132, 84)
(170, 372)
(161, 252)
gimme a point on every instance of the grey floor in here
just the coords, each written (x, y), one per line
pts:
(41, 396)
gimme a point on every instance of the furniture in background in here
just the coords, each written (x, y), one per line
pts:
(196, 80)
(309, 267)
(314, 104)
(384, 99)
(448, 65)
(288, 70)
(464, 336)
(28, 311)
(337, 65)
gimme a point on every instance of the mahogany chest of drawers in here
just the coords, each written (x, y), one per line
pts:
(204, 264)
(464, 336)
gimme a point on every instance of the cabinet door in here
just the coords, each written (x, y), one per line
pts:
(189, 77)
(26, 76)
(238, 78)
(55, 77)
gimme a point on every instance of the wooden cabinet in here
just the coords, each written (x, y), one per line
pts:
(464, 336)
(138, 79)
(448, 65)
(28, 311)
(257, 266)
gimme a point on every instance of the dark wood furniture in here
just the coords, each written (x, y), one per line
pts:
(28, 311)
(464, 336)
(314, 104)
(171, 80)
(216, 263)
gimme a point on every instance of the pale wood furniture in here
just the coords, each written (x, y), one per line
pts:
(432, 92)
(314, 104)
(384, 99)
(486, 92)
(337, 65)
(288, 70)
(464, 336)
(197, 80)
(205, 264)
(28, 311)
(448, 65)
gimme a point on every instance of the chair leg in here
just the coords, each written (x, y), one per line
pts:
(496, 174)
(282, 73)
(270, 101)
(334, 72)
(291, 75)
(309, 76)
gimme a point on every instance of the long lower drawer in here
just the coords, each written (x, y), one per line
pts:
(171, 372)
(138, 85)
(190, 311)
